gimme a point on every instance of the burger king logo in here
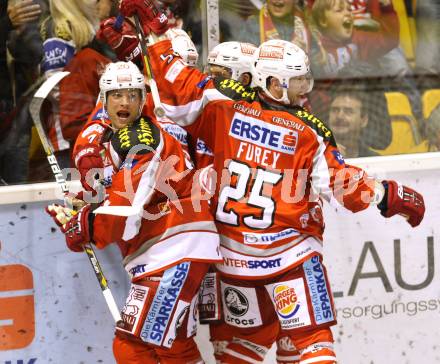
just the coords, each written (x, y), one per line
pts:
(286, 301)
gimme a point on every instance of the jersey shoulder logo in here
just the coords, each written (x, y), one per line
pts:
(234, 89)
(142, 134)
(316, 124)
(100, 114)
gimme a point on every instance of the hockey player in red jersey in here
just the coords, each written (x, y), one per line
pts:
(167, 246)
(91, 146)
(273, 162)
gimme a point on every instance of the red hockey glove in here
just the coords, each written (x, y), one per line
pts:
(75, 226)
(123, 41)
(402, 200)
(150, 17)
(89, 157)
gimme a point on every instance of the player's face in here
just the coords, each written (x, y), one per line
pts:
(345, 118)
(298, 86)
(338, 21)
(123, 106)
(280, 8)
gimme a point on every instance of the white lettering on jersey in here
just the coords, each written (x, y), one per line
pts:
(259, 155)
(92, 128)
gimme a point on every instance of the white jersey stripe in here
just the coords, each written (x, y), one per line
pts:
(193, 245)
(143, 194)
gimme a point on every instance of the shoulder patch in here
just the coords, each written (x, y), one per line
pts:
(142, 133)
(100, 114)
(316, 124)
(234, 89)
(203, 82)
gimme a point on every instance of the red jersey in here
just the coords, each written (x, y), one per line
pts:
(272, 163)
(175, 224)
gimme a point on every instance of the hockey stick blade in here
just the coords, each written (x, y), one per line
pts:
(37, 102)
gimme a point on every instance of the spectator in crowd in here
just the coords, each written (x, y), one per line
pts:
(20, 54)
(79, 90)
(277, 19)
(341, 43)
(348, 118)
(69, 28)
(344, 51)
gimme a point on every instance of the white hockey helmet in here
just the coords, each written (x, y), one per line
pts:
(236, 56)
(284, 61)
(121, 75)
(183, 46)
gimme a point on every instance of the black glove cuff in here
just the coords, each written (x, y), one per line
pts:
(383, 205)
(91, 220)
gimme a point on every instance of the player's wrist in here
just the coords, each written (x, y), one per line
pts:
(379, 194)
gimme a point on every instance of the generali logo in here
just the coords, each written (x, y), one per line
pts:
(17, 315)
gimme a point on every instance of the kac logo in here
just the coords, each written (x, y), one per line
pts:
(286, 301)
(236, 302)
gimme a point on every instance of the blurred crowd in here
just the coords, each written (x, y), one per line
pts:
(376, 65)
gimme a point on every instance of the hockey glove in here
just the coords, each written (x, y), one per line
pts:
(402, 200)
(150, 17)
(123, 41)
(75, 226)
(90, 164)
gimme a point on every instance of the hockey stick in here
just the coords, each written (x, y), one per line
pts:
(34, 109)
(158, 109)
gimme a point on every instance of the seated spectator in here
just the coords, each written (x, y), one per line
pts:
(19, 40)
(277, 19)
(348, 117)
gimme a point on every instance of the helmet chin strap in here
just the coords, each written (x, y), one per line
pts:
(282, 100)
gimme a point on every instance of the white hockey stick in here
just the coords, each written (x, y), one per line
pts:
(118, 211)
(34, 109)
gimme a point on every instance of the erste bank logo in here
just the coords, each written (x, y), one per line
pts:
(263, 134)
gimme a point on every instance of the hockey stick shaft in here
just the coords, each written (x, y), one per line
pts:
(34, 109)
(158, 108)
